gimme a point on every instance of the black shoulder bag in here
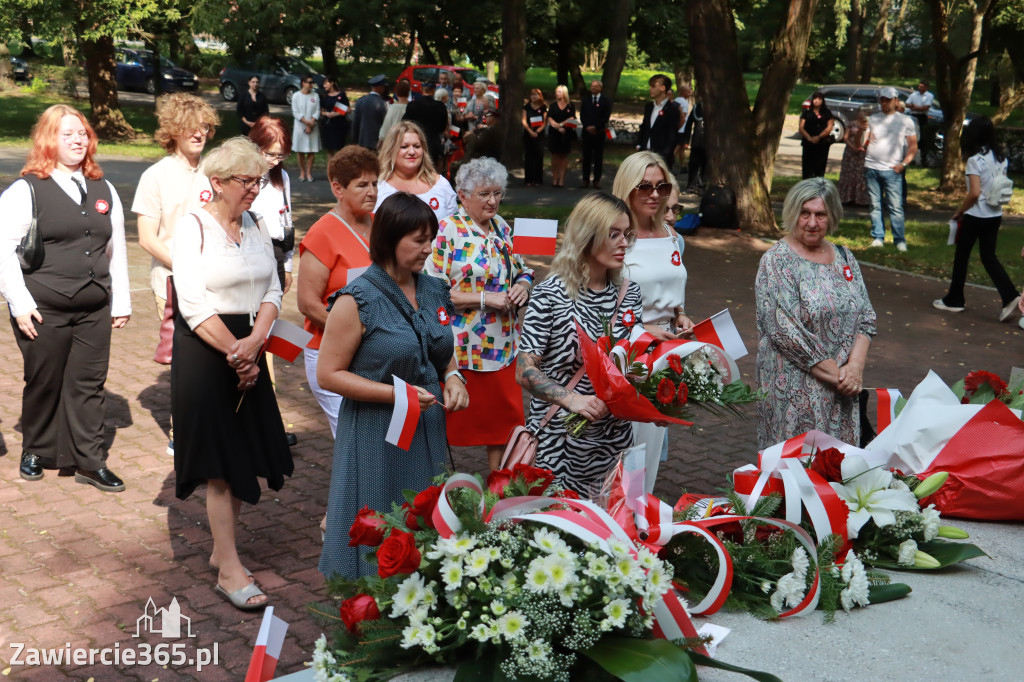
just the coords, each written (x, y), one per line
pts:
(30, 251)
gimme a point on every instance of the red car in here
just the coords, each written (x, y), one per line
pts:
(429, 72)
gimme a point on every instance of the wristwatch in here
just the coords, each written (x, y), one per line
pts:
(457, 373)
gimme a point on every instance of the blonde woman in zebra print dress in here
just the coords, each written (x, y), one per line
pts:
(583, 286)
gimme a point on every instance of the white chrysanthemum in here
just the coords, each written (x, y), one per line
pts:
(452, 547)
(789, 593)
(460, 624)
(908, 550)
(339, 677)
(323, 659)
(512, 625)
(646, 558)
(412, 635)
(409, 595)
(620, 549)
(766, 586)
(452, 573)
(597, 566)
(617, 611)
(538, 650)
(548, 541)
(856, 591)
(930, 522)
(866, 492)
(562, 571)
(800, 562)
(480, 632)
(537, 577)
(477, 562)
(494, 553)
(568, 595)
(498, 607)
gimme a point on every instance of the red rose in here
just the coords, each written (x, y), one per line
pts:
(666, 391)
(398, 554)
(422, 506)
(497, 480)
(357, 609)
(568, 494)
(367, 529)
(537, 480)
(828, 464)
(683, 394)
(675, 364)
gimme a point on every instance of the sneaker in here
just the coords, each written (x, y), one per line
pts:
(877, 243)
(1008, 309)
(901, 247)
(170, 448)
(938, 303)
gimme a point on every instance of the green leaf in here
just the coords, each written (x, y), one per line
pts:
(958, 389)
(879, 594)
(643, 660)
(946, 553)
(900, 402)
(707, 661)
(409, 495)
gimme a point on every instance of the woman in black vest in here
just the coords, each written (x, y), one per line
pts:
(64, 305)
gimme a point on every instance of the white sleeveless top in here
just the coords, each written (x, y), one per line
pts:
(656, 264)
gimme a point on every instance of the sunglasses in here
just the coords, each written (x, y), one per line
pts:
(674, 209)
(249, 183)
(646, 189)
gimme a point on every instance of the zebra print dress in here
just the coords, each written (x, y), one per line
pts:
(549, 332)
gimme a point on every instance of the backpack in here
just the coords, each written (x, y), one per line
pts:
(1001, 190)
(718, 208)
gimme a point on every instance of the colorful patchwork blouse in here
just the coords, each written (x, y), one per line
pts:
(472, 260)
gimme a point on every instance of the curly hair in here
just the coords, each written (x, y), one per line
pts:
(179, 114)
(587, 228)
(350, 163)
(42, 158)
(481, 172)
(266, 132)
(391, 145)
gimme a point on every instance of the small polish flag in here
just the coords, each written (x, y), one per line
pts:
(719, 330)
(405, 417)
(341, 108)
(536, 121)
(286, 340)
(609, 133)
(268, 648)
(353, 273)
(887, 398)
(460, 102)
(572, 123)
(534, 236)
(454, 131)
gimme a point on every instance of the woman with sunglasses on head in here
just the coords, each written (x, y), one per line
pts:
(489, 284)
(585, 286)
(228, 430)
(655, 262)
(306, 131)
(63, 308)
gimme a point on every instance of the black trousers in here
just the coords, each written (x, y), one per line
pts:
(814, 160)
(533, 166)
(984, 231)
(62, 405)
(696, 167)
(593, 155)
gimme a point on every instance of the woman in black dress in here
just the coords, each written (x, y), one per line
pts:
(816, 134)
(333, 121)
(251, 105)
(534, 120)
(560, 137)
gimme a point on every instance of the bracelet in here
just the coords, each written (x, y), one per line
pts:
(483, 296)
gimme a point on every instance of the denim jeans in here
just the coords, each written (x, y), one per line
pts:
(891, 183)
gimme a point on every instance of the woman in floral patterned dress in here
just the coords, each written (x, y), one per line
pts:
(473, 253)
(814, 324)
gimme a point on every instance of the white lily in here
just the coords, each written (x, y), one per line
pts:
(866, 492)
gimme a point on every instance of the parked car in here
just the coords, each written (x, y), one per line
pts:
(134, 71)
(280, 77)
(429, 72)
(19, 70)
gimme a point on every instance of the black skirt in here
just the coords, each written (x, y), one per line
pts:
(211, 439)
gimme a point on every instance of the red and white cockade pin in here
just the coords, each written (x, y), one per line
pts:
(848, 273)
(434, 203)
(205, 196)
(442, 316)
(676, 260)
(102, 207)
(628, 318)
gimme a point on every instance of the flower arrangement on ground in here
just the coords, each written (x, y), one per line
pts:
(980, 387)
(515, 579)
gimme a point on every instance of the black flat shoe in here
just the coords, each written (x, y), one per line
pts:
(291, 439)
(30, 469)
(104, 479)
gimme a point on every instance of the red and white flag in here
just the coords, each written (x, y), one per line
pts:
(406, 415)
(534, 236)
(286, 340)
(268, 648)
(536, 121)
(572, 123)
(341, 108)
(887, 398)
(460, 102)
(719, 330)
(454, 131)
(609, 133)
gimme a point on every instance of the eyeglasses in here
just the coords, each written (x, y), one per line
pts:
(615, 235)
(646, 189)
(204, 128)
(249, 183)
(275, 157)
(497, 195)
(80, 134)
(308, 82)
(677, 209)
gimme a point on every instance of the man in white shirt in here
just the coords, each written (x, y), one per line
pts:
(919, 102)
(661, 119)
(891, 145)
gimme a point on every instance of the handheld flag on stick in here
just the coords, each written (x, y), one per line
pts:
(405, 417)
(268, 648)
(286, 340)
(534, 236)
(719, 330)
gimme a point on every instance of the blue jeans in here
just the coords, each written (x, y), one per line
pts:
(891, 183)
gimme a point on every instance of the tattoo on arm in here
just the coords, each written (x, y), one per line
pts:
(535, 381)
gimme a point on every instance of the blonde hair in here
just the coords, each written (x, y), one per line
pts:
(236, 156)
(562, 90)
(179, 114)
(392, 144)
(630, 174)
(808, 190)
(587, 228)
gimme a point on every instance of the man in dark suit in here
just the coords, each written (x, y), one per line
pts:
(369, 115)
(432, 116)
(661, 119)
(595, 110)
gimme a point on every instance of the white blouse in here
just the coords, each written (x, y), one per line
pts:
(656, 264)
(215, 276)
(441, 198)
(275, 206)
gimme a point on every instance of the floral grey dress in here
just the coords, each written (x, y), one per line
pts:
(806, 313)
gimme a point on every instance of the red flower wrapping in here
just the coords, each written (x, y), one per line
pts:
(828, 464)
(367, 529)
(683, 393)
(398, 555)
(357, 609)
(974, 380)
(422, 506)
(666, 391)
(498, 479)
(568, 494)
(675, 364)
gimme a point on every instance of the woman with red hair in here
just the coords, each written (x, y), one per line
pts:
(62, 309)
(274, 203)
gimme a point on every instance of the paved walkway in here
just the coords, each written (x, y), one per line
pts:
(79, 565)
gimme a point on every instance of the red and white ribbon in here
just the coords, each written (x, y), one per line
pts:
(887, 398)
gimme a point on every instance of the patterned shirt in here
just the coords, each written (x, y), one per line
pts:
(474, 260)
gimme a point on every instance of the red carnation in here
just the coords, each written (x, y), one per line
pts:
(974, 380)
(675, 363)
(357, 609)
(422, 506)
(367, 529)
(829, 465)
(536, 480)
(398, 554)
(568, 494)
(683, 394)
(666, 391)
(498, 479)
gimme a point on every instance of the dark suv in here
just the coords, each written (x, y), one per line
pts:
(280, 77)
(134, 71)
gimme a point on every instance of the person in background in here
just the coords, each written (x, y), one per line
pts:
(431, 116)
(661, 120)
(595, 111)
(333, 123)
(305, 131)
(405, 167)
(683, 102)
(479, 105)
(814, 324)
(489, 284)
(370, 112)
(979, 220)
(62, 312)
(816, 137)
(534, 120)
(560, 137)
(891, 145)
(391, 321)
(853, 189)
(396, 110)
(444, 81)
(695, 141)
(920, 102)
(251, 105)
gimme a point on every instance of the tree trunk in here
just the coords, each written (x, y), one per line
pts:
(5, 66)
(854, 39)
(881, 28)
(562, 63)
(444, 54)
(410, 51)
(329, 51)
(618, 45)
(106, 118)
(428, 54)
(513, 79)
(576, 74)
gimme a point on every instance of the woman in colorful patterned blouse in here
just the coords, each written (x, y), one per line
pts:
(473, 252)
(814, 324)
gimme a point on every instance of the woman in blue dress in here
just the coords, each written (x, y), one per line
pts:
(392, 320)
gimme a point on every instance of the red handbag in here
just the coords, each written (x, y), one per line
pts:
(162, 354)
